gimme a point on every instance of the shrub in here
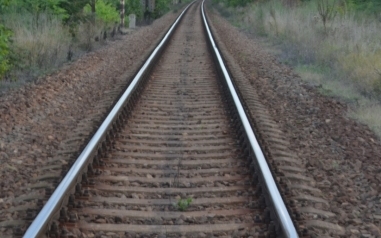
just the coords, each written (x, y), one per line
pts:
(161, 7)
(104, 11)
(327, 11)
(88, 31)
(5, 65)
(134, 7)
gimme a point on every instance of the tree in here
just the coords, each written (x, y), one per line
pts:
(134, 7)
(102, 10)
(74, 9)
(35, 6)
(327, 11)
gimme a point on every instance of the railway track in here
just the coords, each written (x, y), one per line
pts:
(175, 157)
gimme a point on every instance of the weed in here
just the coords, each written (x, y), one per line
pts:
(273, 16)
(377, 84)
(368, 113)
(335, 165)
(327, 11)
(5, 36)
(183, 204)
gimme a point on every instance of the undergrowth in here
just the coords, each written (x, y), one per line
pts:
(5, 37)
(37, 37)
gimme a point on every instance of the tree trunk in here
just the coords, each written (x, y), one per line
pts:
(122, 13)
(93, 10)
(92, 5)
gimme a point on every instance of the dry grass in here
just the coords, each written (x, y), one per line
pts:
(370, 114)
(329, 86)
(87, 32)
(42, 43)
(364, 67)
(39, 42)
(343, 57)
(348, 44)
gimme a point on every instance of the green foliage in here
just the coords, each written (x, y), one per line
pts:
(234, 3)
(134, 7)
(104, 11)
(38, 35)
(4, 4)
(5, 36)
(161, 7)
(363, 4)
(377, 84)
(74, 10)
(372, 7)
(34, 6)
(183, 204)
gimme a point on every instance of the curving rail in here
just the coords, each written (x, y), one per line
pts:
(51, 208)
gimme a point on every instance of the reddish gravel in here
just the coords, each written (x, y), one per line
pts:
(36, 118)
(341, 155)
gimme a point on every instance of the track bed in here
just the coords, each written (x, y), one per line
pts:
(176, 168)
(175, 157)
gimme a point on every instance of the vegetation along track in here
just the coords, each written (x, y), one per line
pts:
(177, 159)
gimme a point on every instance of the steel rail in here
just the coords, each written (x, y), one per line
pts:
(38, 226)
(280, 208)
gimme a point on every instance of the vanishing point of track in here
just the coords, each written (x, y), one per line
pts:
(177, 160)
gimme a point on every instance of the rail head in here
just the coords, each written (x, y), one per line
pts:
(50, 209)
(285, 220)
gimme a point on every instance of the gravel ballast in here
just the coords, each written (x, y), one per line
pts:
(39, 121)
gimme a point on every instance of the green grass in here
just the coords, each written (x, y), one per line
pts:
(328, 86)
(363, 109)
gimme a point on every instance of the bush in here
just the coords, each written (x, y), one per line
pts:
(134, 7)
(5, 36)
(104, 11)
(87, 32)
(372, 7)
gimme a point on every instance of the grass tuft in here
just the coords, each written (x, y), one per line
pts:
(183, 204)
(39, 42)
